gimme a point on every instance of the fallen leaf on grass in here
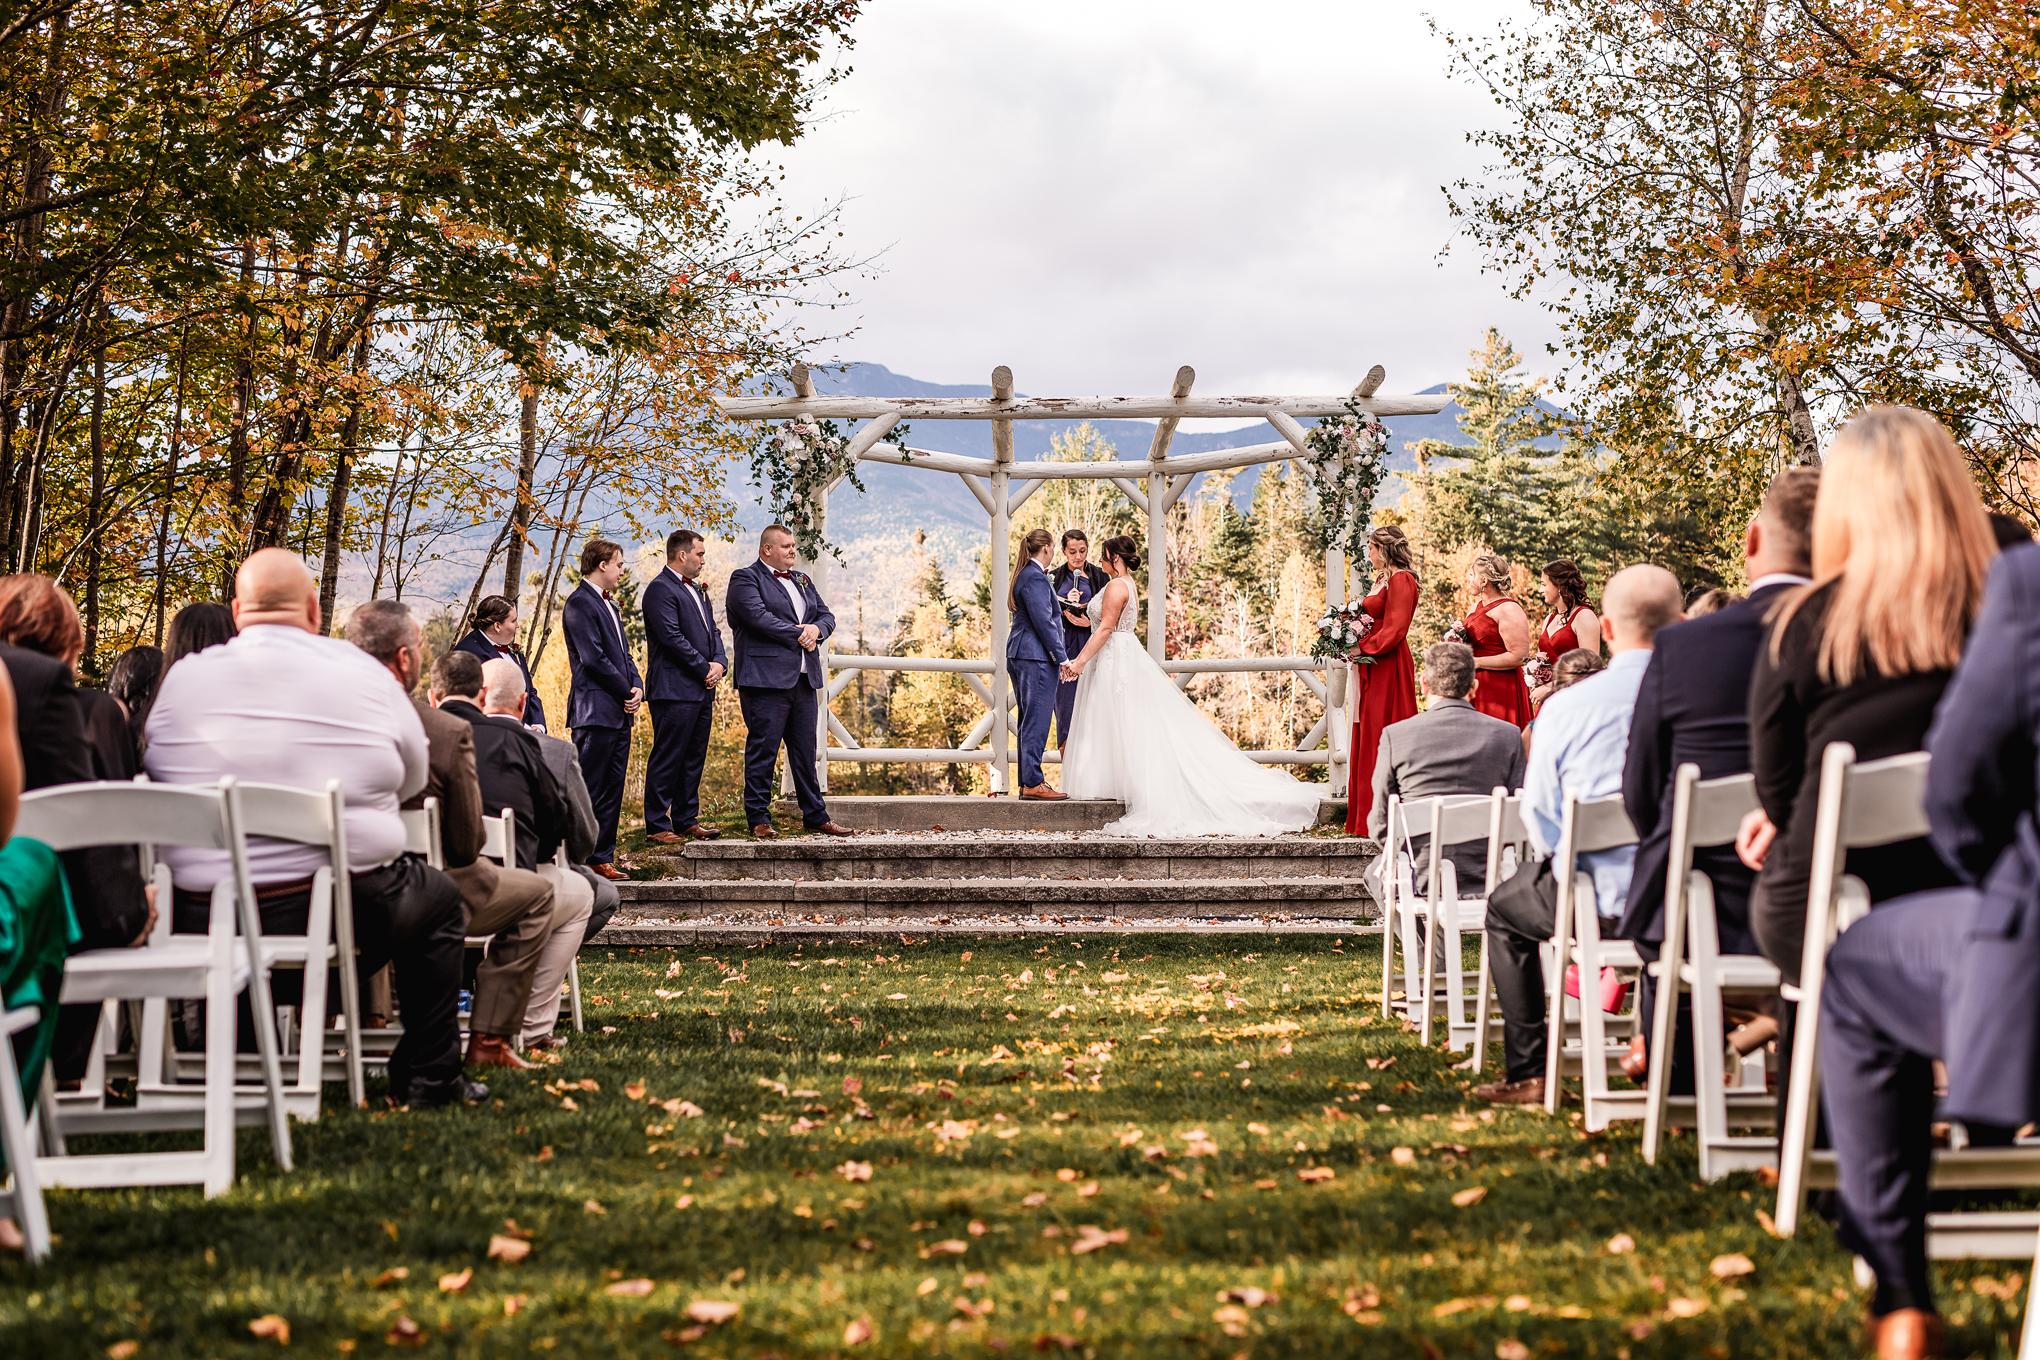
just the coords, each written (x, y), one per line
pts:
(683, 1201)
(1311, 1175)
(1517, 1303)
(686, 1109)
(1087, 1189)
(977, 1279)
(1402, 1156)
(1767, 1223)
(896, 996)
(2005, 1290)
(513, 1302)
(1511, 1349)
(681, 1336)
(954, 1246)
(1358, 1301)
(1620, 1243)
(855, 1171)
(1261, 1129)
(1730, 1266)
(1767, 1176)
(857, 1332)
(1090, 1238)
(1128, 1139)
(978, 1227)
(927, 1286)
(1053, 1341)
(1231, 1319)
(1685, 1308)
(455, 1283)
(634, 1090)
(567, 1103)
(1067, 1174)
(731, 1140)
(404, 1332)
(1471, 1195)
(711, 1311)
(1248, 1295)
(1035, 1200)
(635, 1289)
(122, 1350)
(272, 1325)
(592, 1207)
(1451, 1306)
(1573, 1311)
(1264, 1185)
(391, 1276)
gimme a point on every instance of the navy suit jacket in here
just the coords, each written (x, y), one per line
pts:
(679, 646)
(1037, 632)
(1980, 806)
(1692, 707)
(604, 673)
(769, 655)
(479, 647)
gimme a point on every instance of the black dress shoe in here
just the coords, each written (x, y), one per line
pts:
(422, 1094)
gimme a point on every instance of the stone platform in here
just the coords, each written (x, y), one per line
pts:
(930, 813)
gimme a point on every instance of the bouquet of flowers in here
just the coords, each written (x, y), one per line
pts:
(1537, 671)
(1456, 633)
(1341, 630)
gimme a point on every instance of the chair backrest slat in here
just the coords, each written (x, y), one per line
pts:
(417, 831)
(499, 838)
(75, 816)
(1885, 801)
(1719, 806)
(1460, 818)
(1600, 824)
(286, 814)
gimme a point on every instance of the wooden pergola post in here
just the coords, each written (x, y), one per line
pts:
(1002, 580)
(1158, 502)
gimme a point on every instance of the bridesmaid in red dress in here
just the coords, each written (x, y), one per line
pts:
(1383, 690)
(1569, 621)
(1499, 632)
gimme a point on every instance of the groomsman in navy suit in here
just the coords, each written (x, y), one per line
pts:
(606, 694)
(684, 662)
(780, 623)
(1035, 655)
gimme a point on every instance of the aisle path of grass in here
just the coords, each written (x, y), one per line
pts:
(1071, 1149)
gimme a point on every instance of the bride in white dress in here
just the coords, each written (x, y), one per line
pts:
(1137, 738)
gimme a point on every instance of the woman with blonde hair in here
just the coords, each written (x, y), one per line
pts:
(1901, 547)
(1499, 632)
(1384, 675)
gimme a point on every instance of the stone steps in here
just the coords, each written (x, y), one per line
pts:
(906, 857)
(1323, 895)
(761, 930)
(861, 812)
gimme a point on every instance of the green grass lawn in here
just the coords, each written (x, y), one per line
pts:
(1071, 1148)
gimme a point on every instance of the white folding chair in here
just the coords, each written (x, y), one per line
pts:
(23, 1194)
(1394, 867)
(1706, 813)
(214, 966)
(1447, 820)
(1508, 849)
(308, 818)
(1588, 825)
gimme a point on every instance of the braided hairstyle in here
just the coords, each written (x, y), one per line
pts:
(1572, 587)
(1393, 545)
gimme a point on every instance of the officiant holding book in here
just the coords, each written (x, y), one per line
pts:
(1075, 582)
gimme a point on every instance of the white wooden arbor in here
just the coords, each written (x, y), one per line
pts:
(991, 482)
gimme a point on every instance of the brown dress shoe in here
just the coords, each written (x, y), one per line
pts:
(701, 833)
(1906, 1334)
(611, 872)
(492, 1050)
(1529, 1091)
(1636, 1062)
(545, 1043)
(666, 838)
(764, 832)
(1044, 793)
(831, 829)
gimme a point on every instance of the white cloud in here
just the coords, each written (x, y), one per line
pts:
(1097, 192)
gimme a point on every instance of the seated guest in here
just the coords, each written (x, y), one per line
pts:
(1712, 602)
(132, 679)
(502, 701)
(279, 704)
(514, 775)
(195, 628)
(35, 906)
(1582, 736)
(1901, 547)
(107, 894)
(508, 903)
(1693, 708)
(1948, 974)
(495, 635)
(1449, 749)
(2009, 530)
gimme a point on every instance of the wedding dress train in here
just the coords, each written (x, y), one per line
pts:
(1137, 738)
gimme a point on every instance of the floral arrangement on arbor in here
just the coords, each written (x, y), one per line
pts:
(1348, 459)
(1341, 630)
(794, 463)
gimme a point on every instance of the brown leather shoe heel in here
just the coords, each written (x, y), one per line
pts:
(1043, 793)
(666, 838)
(611, 872)
(1529, 1091)
(1906, 1334)
(491, 1050)
(831, 829)
(701, 833)
(764, 832)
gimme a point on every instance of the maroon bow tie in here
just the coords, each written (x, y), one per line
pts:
(784, 575)
(605, 594)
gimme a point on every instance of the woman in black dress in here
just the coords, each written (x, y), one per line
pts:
(1901, 547)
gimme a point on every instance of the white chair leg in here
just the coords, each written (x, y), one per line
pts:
(1561, 952)
(47, 1125)
(219, 1075)
(2029, 1332)
(574, 992)
(1480, 1011)
(20, 1147)
(1659, 1077)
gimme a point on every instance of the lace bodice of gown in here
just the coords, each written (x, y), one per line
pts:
(1129, 617)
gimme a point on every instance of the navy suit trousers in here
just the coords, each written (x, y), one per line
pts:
(680, 731)
(605, 756)
(773, 717)
(1034, 686)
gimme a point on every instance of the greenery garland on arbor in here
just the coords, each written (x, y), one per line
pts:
(1348, 460)
(795, 462)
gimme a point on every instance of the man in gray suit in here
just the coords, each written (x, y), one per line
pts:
(1450, 750)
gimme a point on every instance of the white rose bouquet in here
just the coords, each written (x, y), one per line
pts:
(1341, 630)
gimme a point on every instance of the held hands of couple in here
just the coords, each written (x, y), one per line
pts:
(1072, 669)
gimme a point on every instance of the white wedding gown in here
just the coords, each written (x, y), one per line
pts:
(1138, 738)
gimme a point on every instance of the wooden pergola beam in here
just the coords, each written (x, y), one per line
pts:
(1073, 408)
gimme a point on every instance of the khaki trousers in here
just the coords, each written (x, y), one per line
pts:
(517, 910)
(573, 904)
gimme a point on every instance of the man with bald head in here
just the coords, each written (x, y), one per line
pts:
(281, 704)
(1582, 739)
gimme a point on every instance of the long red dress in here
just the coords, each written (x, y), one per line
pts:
(1555, 640)
(1382, 693)
(1499, 694)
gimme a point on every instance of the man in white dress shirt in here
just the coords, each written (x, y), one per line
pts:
(280, 704)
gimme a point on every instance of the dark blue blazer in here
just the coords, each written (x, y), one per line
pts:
(1037, 632)
(1980, 805)
(479, 647)
(769, 656)
(604, 673)
(679, 647)
(1692, 707)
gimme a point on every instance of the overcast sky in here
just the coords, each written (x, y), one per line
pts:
(1096, 191)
